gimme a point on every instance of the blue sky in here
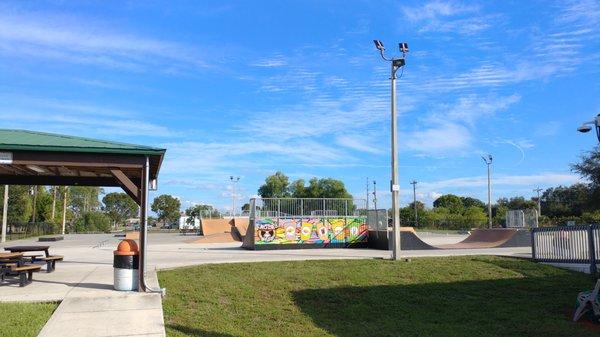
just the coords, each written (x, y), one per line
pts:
(250, 87)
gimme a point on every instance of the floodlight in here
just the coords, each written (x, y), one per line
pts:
(403, 47)
(584, 128)
(379, 45)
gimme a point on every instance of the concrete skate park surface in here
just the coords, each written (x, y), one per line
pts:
(90, 307)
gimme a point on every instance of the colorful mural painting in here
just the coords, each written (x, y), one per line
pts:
(313, 230)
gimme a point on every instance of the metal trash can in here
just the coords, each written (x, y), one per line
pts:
(126, 265)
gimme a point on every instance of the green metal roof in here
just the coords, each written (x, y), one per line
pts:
(25, 140)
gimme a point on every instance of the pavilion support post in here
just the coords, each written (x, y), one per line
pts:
(143, 201)
(143, 193)
(5, 213)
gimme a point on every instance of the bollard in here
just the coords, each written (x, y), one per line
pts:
(126, 265)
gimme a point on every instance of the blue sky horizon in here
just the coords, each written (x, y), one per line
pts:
(249, 88)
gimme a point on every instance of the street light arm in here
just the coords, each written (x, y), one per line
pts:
(383, 56)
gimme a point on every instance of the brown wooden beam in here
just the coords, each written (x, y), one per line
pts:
(57, 180)
(128, 186)
(77, 159)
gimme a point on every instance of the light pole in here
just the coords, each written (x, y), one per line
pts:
(376, 211)
(539, 206)
(587, 126)
(367, 208)
(397, 63)
(414, 183)
(234, 181)
(488, 162)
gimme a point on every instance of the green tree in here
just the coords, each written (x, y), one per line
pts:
(451, 202)
(93, 221)
(20, 204)
(567, 201)
(119, 207)
(589, 167)
(84, 199)
(320, 188)
(297, 189)
(475, 216)
(275, 186)
(202, 211)
(470, 202)
(167, 208)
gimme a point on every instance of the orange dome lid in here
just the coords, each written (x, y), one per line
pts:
(127, 247)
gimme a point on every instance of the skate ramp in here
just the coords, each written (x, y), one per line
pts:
(239, 228)
(493, 238)
(215, 226)
(242, 225)
(479, 238)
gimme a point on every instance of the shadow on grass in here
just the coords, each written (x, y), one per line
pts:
(508, 307)
(188, 331)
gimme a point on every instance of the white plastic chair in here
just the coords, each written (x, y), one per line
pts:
(588, 300)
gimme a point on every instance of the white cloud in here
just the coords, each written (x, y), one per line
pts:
(450, 128)
(359, 143)
(272, 62)
(438, 139)
(435, 9)
(447, 16)
(541, 179)
(83, 41)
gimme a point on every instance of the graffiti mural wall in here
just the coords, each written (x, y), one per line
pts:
(323, 231)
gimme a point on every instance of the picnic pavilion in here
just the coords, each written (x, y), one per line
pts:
(36, 158)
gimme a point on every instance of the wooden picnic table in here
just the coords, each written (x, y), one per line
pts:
(10, 256)
(22, 249)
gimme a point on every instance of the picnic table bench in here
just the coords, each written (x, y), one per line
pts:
(50, 260)
(13, 264)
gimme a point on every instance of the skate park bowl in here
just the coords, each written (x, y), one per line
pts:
(478, 239)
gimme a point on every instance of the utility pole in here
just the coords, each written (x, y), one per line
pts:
(367, 209)
(488, 162)
(539, 200)
(396, 63)
(376, 211)
(233, 182)
(539, 206)
(5, 213)
(64, 215)
(414, 183)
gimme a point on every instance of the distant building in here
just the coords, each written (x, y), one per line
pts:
(188, 222)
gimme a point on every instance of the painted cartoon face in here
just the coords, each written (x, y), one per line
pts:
(322, 232)
(290, 232)
(305, 231)
(266, 232)
(337, 230)
(266, 235)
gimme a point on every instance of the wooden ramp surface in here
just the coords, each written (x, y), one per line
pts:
(215, 226)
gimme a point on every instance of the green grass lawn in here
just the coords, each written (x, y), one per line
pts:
(24, 319)
(453, 296)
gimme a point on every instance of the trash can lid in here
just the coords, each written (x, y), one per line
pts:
(127, 247)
